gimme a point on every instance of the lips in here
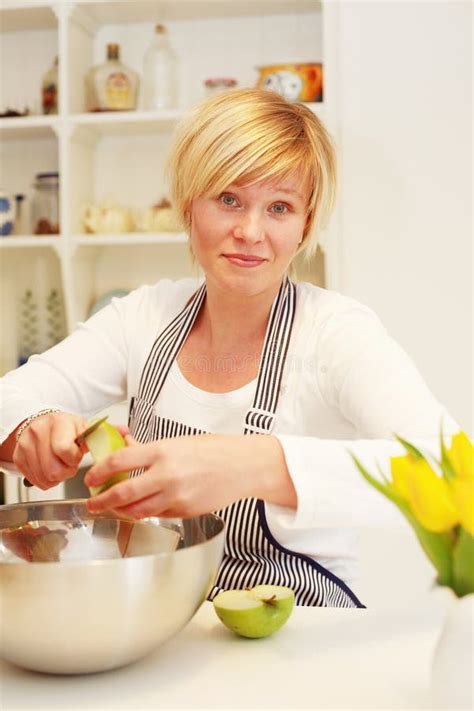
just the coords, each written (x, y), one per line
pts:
(244, 260)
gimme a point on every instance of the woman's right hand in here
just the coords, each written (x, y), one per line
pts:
(46, 453)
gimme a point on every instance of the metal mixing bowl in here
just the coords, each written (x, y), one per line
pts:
(81, 593)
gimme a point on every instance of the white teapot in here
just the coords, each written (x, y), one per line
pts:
(107, 218)
(158, 218)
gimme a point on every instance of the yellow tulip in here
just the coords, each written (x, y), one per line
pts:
(462, 491)
(428, 495)
(401, 468)
(461, 454)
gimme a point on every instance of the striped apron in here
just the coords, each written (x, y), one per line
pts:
(252, 556)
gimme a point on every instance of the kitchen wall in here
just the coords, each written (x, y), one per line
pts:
(406, 184)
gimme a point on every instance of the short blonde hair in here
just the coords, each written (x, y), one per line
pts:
(243, 136)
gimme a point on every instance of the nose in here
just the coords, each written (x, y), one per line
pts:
(249, 227)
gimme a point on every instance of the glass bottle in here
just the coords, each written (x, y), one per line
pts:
(49, 90)
(160, 73)
(111, 86)
(45, 204)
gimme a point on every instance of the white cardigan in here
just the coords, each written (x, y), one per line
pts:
(347, 386)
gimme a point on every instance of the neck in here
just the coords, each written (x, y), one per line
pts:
(229, 321)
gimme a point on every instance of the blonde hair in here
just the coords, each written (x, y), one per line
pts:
(243, 136)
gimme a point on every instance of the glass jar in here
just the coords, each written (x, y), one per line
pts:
(45, 204)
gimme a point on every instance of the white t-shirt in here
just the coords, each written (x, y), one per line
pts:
(346, 387)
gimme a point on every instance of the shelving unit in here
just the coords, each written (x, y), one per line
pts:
(122, 154)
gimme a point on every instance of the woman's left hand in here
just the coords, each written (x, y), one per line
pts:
(193, 475)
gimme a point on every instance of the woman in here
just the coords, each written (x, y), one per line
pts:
(210, 367)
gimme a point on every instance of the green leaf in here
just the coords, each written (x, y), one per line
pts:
(463, 564)
(411, 449)
(384, 488)
(437, 546)
(445, 462)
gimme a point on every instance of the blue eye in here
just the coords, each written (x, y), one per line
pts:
(282, 208)
(227, 199)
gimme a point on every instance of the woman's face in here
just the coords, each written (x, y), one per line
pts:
(245, 238)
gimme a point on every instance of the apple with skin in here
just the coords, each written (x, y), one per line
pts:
(257, 612)
(102, 442)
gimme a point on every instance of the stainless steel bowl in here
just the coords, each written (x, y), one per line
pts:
(81, 593)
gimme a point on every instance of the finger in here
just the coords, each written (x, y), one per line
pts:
(124, 493)
(63, 434)
(53, 468)
(132, 457)
(153, 505)
(123, 429)
(32, 469)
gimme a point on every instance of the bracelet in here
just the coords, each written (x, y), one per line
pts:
(30, 419)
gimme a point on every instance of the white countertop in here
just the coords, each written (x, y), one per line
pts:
(322, 659)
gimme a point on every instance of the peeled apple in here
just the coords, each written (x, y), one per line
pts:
(102, 442)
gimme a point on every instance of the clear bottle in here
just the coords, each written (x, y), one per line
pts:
(160, 73)
(111, 86)
(49, 90)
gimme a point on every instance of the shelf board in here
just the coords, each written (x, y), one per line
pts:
(22, 241)
(110, 123)
(106, 123)
(28, 127)
(103, 13)
(25, 16)
(129, 239)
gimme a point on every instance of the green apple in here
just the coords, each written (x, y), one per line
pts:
(258, 612)
(102, 442)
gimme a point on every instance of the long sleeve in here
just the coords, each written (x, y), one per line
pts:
(100, 363)
(83, 374)
(366, 377)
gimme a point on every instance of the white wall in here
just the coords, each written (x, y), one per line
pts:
(406, 184)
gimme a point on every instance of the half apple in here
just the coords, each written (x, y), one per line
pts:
(257, 612)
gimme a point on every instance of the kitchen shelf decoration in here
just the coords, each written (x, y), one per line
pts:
(111, 86)
(122, 153)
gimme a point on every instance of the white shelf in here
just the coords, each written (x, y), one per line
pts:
(18, 127)
(122, 154)
(113, 123)
(26, 241)
(25, 16)
(129, 238)
(168, 10)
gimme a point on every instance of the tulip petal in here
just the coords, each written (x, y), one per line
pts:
(461, 454)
